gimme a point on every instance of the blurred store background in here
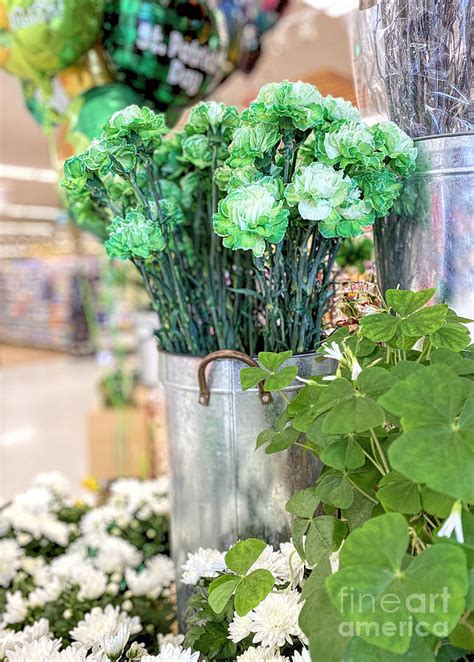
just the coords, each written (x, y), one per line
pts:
(78, 364)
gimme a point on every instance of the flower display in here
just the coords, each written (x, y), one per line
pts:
(251, 215)
(134, 236)
(282, 183)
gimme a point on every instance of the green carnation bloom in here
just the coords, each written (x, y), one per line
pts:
(318, 189)
(166, 156)
(380, 189)
(96, 157)
(287, 105)
(197, 150)
(75, 173)
(351, 143)
(397, 146)
(348, 219)
(250, 215)
(252, 142)
(340, 109)
(134, 236)
(190, 184)
(212, 116)
(133, 122)
(228, 179)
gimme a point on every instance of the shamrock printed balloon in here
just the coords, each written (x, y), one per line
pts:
(171, 52)
(53, 34)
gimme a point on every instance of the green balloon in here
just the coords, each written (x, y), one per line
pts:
(95, 107)
(53, 34)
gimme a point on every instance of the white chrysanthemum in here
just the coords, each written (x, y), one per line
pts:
(10, 561)
(34, 566)
(304, 656)
(94, 523)
(116, 554)
(239, 628)
(37, 501)
(73, 654)
(293, 563)
(172, 653)
(38, 650)
(261, 654)
(205, 563)
(55, 482)
(100, 623)
(16, 608)
(170, 638)
(114, 643)
(275, 563)
(50, 592)
(275, 620)
(157, 574)
(92, 582)
(9, 639)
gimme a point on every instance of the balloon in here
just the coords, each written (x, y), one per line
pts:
(95, 107)
(171, 53)
(53, 34)
(11, 57)
(50, 102)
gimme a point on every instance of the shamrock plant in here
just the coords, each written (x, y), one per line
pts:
(281, 184)
(388, 526)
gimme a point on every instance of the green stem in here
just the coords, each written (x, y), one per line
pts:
(382, 457)
(359, 489)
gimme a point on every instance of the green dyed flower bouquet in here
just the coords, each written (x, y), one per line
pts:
(281, 184)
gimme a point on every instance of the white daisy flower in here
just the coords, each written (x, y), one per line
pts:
(453, 523)
(172, 653)
(239, 628)
(100, 623)
(261, 654)
(116, 554)
(38, 650)
(304, 656)
(113, 644)
(205, 563)
(16, 608)
(10, 561)
(275, 619)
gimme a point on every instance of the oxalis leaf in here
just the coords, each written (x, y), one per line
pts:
(405, 302)
(281, 379)
(334, 489)
(250, 377)
(380, 595)
(325, 534)
(241, 557)
(221, 590)
(272, 360)
(252, 590)
(437, 417)
(399, 494)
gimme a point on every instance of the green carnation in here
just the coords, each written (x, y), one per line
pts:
(252, 142)
(212, 116)
(397, 146)
(318, 189)
(380, 189)
(134, 123)
(250, 215)
(348, 219)
(134, 236)
(75, 173)
(337, 109)
(287, 105)
(228, 179)
(197, 150)
(166, 156)
(96, 157)
(351, 143)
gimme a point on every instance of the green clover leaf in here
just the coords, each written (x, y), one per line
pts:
(376, 590)
(437, 444)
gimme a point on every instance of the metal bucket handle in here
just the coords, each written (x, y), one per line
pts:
(204, 394)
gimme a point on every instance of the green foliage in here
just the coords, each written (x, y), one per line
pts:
(391, 511)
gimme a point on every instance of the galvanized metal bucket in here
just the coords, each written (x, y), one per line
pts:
(428, 239)
(222, 489)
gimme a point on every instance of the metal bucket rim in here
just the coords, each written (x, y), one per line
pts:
(436, 136)
(200, 358)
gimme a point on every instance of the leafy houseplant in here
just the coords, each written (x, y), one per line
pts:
(388, 526)
(280, 184)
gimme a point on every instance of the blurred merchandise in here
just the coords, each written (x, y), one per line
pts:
(116, 389)
(356, 252)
